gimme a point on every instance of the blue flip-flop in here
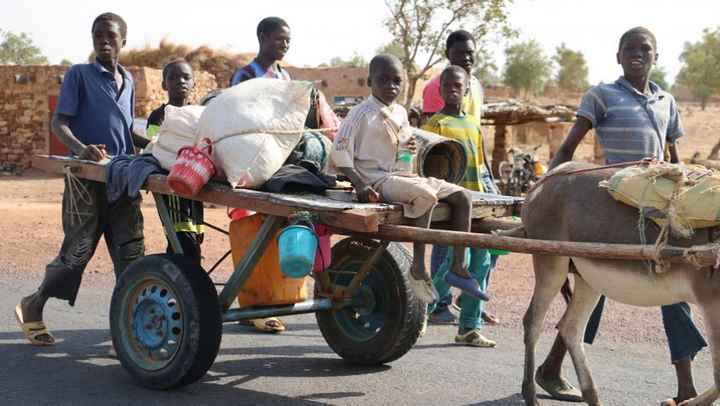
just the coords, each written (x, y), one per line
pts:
(468, 285)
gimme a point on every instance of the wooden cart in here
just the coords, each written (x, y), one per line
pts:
(166, 314)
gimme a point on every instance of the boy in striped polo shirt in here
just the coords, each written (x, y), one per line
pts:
(633, 119)
(453, 122)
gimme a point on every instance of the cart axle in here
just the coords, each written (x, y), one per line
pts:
(308, 306)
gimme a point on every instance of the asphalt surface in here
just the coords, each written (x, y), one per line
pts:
(297, 367)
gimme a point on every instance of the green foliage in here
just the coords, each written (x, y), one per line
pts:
(572, 74)
(420, 27)
(356, 61)
(527, 68)
(486, 70)
(66, 62)
(659, 76)
(700, 70)
(18, 49)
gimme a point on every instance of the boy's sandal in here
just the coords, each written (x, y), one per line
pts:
(669, 402)
(424, 289)
(473, 338)
(268, 325)
(35, 331)
(468, 286)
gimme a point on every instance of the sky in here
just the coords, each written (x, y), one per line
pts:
(323, 29)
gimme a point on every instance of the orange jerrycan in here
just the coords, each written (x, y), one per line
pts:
(267, 285)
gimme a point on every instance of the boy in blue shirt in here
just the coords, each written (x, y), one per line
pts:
(93, 118)
(634, 119)
(274, 37)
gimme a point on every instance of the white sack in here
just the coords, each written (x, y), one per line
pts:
(235, 121)
(179, 129)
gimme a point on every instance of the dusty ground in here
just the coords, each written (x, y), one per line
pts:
(31, 236)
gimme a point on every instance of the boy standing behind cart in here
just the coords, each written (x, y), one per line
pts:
(453, 122)
(187, 215)
(93, 118)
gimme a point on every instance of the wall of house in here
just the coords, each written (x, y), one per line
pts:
(25, 97)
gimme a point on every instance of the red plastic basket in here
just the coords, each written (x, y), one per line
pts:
(193, 169)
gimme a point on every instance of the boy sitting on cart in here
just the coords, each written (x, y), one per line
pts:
(366, 149)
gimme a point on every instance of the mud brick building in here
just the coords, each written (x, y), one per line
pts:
(28, 95)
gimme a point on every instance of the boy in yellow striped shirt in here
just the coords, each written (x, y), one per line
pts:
(453, 122)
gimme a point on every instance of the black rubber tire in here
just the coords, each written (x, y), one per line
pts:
(201, 320)
(402, 315)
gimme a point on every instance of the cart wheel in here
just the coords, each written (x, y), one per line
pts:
(165, 321)
(386, 318)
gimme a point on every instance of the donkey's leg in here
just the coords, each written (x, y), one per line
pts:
(550, 274)
(711, 311)
(572, 330)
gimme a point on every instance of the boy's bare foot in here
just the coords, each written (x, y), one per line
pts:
(418, 270)
(32, 307)
(421, 283)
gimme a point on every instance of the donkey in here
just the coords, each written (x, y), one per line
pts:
(573, 208)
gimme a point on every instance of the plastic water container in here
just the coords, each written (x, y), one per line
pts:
(404, 163)
(297, 246)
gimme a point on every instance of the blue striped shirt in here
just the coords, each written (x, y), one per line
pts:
(631, 125)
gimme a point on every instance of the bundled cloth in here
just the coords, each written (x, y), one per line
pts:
(178, 130)
(682, 197)
(254, 127)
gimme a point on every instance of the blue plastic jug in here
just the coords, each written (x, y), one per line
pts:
(297, 245)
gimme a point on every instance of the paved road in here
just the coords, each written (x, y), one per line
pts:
(297, 368)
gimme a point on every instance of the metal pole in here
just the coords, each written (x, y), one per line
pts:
(267, 232)
(309, 306)
(167, 223)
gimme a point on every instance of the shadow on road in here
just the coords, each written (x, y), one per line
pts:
(514, 400)
(78, 370)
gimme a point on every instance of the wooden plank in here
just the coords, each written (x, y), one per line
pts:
(344, 214)
(82, 169)
(704, 255)
(341, 214)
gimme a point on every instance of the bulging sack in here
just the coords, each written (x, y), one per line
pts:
(254, 127)
(686, 196)
(178, 130)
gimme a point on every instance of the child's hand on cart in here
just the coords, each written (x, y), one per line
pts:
(93, 152)
(367, 194)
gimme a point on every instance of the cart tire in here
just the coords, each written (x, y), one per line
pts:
(165, 321)
(387, 328)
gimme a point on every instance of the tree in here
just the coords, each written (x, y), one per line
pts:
(420, 27)
(486, 70)
(66, 62)
(572, 74)
(700, 61)
(356, 61)
(19, 49)
(526, 67)
(659, 76)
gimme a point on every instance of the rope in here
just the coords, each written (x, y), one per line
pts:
(276, 132)
(594, 168)
(77, 192)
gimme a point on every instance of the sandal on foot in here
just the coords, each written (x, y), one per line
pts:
(424, 290)
(468, 286)
(558, 388)
(669, 402)
(268, 325)
(473, 338)
(34, 330)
